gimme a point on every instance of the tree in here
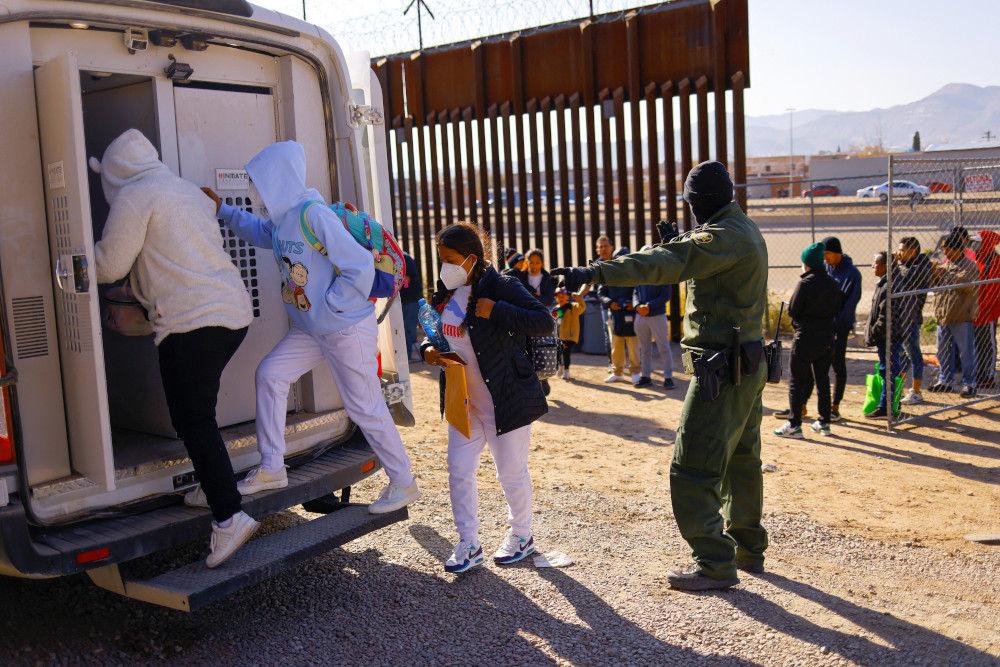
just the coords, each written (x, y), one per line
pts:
(916, 142)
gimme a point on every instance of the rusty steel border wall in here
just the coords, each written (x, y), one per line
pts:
(452, 101)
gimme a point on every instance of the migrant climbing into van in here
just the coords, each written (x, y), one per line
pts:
(338, 327)
(161, 232)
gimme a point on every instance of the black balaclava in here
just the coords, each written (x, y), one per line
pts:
(708, 189)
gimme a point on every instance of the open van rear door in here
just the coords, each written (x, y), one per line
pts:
(368, 116)
(71, 243)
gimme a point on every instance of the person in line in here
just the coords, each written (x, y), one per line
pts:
(485, 318)
(842, 268)
(813, 307)
(162, 232)
(568, 312)
(515, 261)
(716, 483)
(536, 279)
(650, 302)
(409, 297)
(621, 322)
(955, 311)
(876, 330)
(539, 284)
(337, 327)
(914, 274)
(985, 324)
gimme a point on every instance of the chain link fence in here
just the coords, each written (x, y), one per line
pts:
(823, 207)
(944, 294)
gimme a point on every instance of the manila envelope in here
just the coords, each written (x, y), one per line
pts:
(456, 395)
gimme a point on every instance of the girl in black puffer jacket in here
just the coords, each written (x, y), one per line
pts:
(485, 318)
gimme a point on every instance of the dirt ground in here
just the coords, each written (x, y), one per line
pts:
(921, 488)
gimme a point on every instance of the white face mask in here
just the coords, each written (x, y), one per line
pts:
(259, 209)
(454, 275)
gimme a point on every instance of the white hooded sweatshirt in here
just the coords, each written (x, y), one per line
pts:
(163, 230)
(319, 298)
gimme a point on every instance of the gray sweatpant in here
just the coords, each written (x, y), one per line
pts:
(646, 328)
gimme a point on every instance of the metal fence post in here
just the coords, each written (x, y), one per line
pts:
(888, 385)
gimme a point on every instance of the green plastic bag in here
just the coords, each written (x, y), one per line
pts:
(873, 384)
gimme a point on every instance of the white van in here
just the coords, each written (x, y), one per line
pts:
(91, 473)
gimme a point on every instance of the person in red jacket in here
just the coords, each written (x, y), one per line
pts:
(985, 324)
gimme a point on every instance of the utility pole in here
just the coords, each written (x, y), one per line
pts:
(420, 26)
(303, 10)
(791, 149)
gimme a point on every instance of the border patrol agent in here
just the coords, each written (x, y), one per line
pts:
(716, 463)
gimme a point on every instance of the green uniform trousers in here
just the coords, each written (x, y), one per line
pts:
(716, 465)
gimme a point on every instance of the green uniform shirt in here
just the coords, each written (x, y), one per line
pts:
(724, 263)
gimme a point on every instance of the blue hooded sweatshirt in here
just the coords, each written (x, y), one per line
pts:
(849, 279)
(654, 296)
(317, 299)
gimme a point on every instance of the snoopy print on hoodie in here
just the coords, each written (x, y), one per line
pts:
(163, 230)
(316, 298)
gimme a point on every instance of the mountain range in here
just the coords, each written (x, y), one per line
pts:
(957, 113)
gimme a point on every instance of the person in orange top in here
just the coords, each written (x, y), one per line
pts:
(568, 313)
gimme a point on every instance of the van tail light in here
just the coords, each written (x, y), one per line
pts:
(6, 445)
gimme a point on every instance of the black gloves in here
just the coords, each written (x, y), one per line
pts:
(574, 277)
(667, 230)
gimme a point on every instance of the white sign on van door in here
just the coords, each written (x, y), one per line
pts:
(57, 176)
(979, 183)
(232, 179)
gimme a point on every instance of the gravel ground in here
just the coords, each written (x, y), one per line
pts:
(831, 596)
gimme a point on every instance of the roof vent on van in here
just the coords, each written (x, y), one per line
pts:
(232, 7)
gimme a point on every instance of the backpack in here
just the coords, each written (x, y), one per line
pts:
(390, 268)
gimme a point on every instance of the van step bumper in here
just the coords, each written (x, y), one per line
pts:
(38, 551)
(192, 586)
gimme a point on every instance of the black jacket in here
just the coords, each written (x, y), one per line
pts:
(813, 307)
(876, 326)
(499, 344)
(546, 290)
(913, 274)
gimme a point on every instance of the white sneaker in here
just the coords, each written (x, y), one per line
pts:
(823, 428)
(467, 555)
(565, 375)
(225, 541)
(394, 497)
(196, 498)
(614, 378)
(636, 377)
(258, 480)
(514, 548)
(789, 431)
(912, 398)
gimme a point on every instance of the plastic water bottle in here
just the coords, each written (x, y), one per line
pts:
(430, 320)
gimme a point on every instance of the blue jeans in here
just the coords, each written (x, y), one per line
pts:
(894, 367)
(410, 325)
(911, 345)
(960, 335)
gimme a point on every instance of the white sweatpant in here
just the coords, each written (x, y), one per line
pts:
(350, 353)
(645, 329)
(510, 454)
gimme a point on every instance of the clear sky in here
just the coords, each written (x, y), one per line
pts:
(842, 55)
(854, 55)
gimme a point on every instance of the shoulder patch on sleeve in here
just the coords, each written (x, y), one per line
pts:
(702, 237)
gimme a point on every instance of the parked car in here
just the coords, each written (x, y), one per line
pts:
(822, 191)
(900, 190)
(938, 186)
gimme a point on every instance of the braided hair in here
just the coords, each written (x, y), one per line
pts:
(467, 239)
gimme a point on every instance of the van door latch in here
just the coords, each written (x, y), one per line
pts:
(362, 115)
(79, 272)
